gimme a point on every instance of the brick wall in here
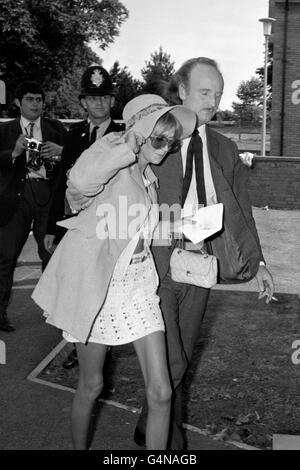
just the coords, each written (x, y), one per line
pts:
(275, 182)
(291, 89)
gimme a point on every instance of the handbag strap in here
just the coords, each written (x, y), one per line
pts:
(179, 243)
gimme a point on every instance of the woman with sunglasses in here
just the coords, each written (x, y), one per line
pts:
(100, 285)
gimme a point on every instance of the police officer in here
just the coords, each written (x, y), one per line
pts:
(97, 96)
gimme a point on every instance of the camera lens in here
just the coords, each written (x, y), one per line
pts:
(48, 165)
(32, 145)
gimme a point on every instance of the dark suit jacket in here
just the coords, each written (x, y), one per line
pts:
(12, 176)
(77, 141)
(237, 245)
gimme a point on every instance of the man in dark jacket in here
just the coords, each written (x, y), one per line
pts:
(97, 98)
(30, 149)
(207, 170)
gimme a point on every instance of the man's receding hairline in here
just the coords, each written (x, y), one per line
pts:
(204, 64)
(211, 66)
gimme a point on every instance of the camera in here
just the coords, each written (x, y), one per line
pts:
(35, 160)
(34, 144)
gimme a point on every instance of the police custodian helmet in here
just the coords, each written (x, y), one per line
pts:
(96, 81)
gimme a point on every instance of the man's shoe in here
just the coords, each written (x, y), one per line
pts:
(5, 325)
(71, 361)
(139, 438)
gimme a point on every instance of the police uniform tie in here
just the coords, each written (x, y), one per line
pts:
(194, 151)
(94, 135)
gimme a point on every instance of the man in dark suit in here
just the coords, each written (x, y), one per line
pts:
(25, 183)
(206, 171)
(97, 98)
(198, 84)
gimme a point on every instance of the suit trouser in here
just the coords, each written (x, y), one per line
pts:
(29, 215)
(183, 307)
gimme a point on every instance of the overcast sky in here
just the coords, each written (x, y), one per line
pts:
(225, 30)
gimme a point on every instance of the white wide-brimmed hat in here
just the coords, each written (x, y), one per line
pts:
(142, 113)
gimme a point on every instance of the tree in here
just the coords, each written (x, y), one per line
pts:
(250, 94)
(127, 88)
(63, 101)
(260, 72)
(226, 115)
(157, 72)
(47, 41)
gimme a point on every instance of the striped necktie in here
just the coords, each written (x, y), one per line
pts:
(30, 127)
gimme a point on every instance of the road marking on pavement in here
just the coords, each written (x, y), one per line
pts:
(34, 271)
(30, 286)
(33, 377)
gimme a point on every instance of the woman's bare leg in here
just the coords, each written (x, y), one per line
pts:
(151, 352)
(91, 359)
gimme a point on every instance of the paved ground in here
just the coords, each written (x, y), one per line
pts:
(279, 236)
(35, 416)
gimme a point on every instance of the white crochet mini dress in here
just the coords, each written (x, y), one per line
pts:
(131, 309)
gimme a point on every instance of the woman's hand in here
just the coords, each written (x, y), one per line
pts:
(134, 141)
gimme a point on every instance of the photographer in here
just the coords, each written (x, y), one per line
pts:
(30, 149)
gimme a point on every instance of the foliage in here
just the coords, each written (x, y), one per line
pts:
(250, 93)
(260, 72)
(126, 86)
(249, 110)
(157, 71)
(226, 115)
(47, 41)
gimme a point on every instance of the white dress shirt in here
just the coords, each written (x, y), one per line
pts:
(101, 128)
(37, 134)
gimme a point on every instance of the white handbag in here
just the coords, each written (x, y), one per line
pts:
(199, 269)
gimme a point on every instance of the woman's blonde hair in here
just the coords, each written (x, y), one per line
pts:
(166, 123)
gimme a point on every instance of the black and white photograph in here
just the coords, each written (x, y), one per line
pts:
(149, 228)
